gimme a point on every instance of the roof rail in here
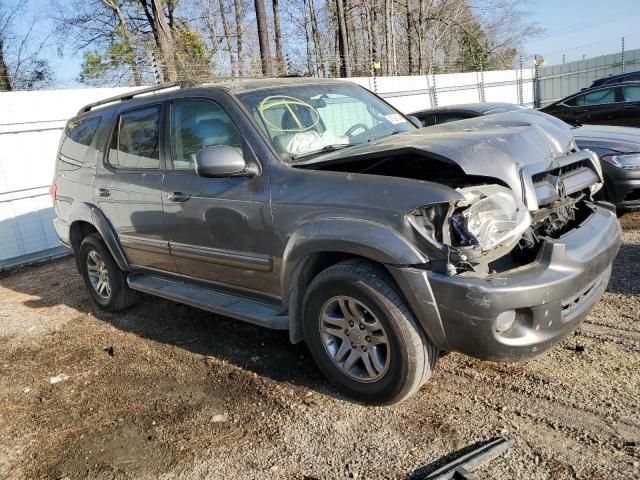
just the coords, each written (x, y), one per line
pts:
(130, 95)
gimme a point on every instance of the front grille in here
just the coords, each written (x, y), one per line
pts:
(543, 177)
(559, 183)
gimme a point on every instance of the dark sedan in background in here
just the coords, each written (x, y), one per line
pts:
(617, 147)
(621, 77)
(611, 104)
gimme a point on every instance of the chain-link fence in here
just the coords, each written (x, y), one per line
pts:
(556, 82)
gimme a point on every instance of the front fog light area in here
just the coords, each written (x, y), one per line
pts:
(505, 320)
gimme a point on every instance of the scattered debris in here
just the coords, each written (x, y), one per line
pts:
(462, 467)
(220, 418)
(577, 348)
(26, 390)
(58, 378)
(111, 350)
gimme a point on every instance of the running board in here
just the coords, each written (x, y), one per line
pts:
(250, 311)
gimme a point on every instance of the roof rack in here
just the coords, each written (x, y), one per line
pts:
(142, 91)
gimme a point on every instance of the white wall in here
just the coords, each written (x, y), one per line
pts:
(31, 124)
(30, 128)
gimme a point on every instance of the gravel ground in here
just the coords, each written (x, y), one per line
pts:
(167, 391)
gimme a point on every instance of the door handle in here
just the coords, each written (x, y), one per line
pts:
(629, 107)
(178, 197)
(104, 192)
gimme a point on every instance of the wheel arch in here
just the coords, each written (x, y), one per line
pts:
(86, 219)
(318, 245)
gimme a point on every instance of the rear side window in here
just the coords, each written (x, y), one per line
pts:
(76, 142)
(136, 139)
(631, 94)
(600, 97)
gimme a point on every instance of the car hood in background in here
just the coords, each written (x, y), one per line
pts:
(619, 139)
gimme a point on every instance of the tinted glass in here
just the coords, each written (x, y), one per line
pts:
(136, 142)
(77, 140)
(196, 124)
(599, 97)
(453, 117)
(631, 94)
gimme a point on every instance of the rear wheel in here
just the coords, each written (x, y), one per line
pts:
(106, 283)
(362, 335)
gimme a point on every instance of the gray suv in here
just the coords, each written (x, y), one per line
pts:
(315, 207)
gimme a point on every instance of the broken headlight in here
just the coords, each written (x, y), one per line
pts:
(491, 216)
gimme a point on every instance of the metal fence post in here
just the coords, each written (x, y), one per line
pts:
(520, 84)
(622, 54)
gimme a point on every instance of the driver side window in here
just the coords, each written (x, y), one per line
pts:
(196, 124)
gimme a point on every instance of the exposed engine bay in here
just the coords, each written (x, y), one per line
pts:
(494, 227)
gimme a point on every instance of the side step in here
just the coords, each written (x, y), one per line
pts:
(250, 311)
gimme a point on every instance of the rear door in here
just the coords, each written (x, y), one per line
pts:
(221, 229)
(128, 187)
(629, 114)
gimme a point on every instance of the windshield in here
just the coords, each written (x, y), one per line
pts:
(300, 121)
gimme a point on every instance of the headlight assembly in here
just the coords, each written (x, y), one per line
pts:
(627, 161)
(491, 217)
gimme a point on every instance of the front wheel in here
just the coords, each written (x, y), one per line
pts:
(363, 336)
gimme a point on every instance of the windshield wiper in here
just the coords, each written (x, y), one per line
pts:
(325, 149)
(394, 132)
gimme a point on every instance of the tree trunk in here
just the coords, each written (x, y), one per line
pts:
(410, 39)
(227, 39)
(343, 41)
(317, 46)
(163, 36)
(263, 39)
(239, 28)
(5, 81)
(280, 66)
(388, 39)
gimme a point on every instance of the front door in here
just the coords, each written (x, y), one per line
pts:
(220, 228)
(597, 107)
(128, 188)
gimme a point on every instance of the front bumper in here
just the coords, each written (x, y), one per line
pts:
(622, 187)
(550, 296)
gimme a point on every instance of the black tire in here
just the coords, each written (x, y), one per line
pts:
(120, 296)
(411, 358)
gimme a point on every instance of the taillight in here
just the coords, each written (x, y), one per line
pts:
(53, 190)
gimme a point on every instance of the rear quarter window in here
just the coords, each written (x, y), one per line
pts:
(76, 144)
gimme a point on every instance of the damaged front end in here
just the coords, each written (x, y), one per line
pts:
(492, 229)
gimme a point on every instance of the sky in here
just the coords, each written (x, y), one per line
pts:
(583, 27)
(571, 27)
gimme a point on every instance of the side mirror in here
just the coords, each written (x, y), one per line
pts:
(222, 161)
(415, 120)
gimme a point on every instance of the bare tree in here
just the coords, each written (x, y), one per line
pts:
(343, 41)
(277, 34)
(227, 38)
(263, 39)
(162, 34)
(239, 31)
(21, 63)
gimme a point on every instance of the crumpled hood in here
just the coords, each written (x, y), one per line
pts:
(496, 146)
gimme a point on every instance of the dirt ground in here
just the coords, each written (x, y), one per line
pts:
(167, 391)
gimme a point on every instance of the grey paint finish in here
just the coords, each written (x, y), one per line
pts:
(249, 234)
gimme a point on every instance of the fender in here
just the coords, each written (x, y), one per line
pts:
(363, 238)
(86, 212)
(337, 235)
